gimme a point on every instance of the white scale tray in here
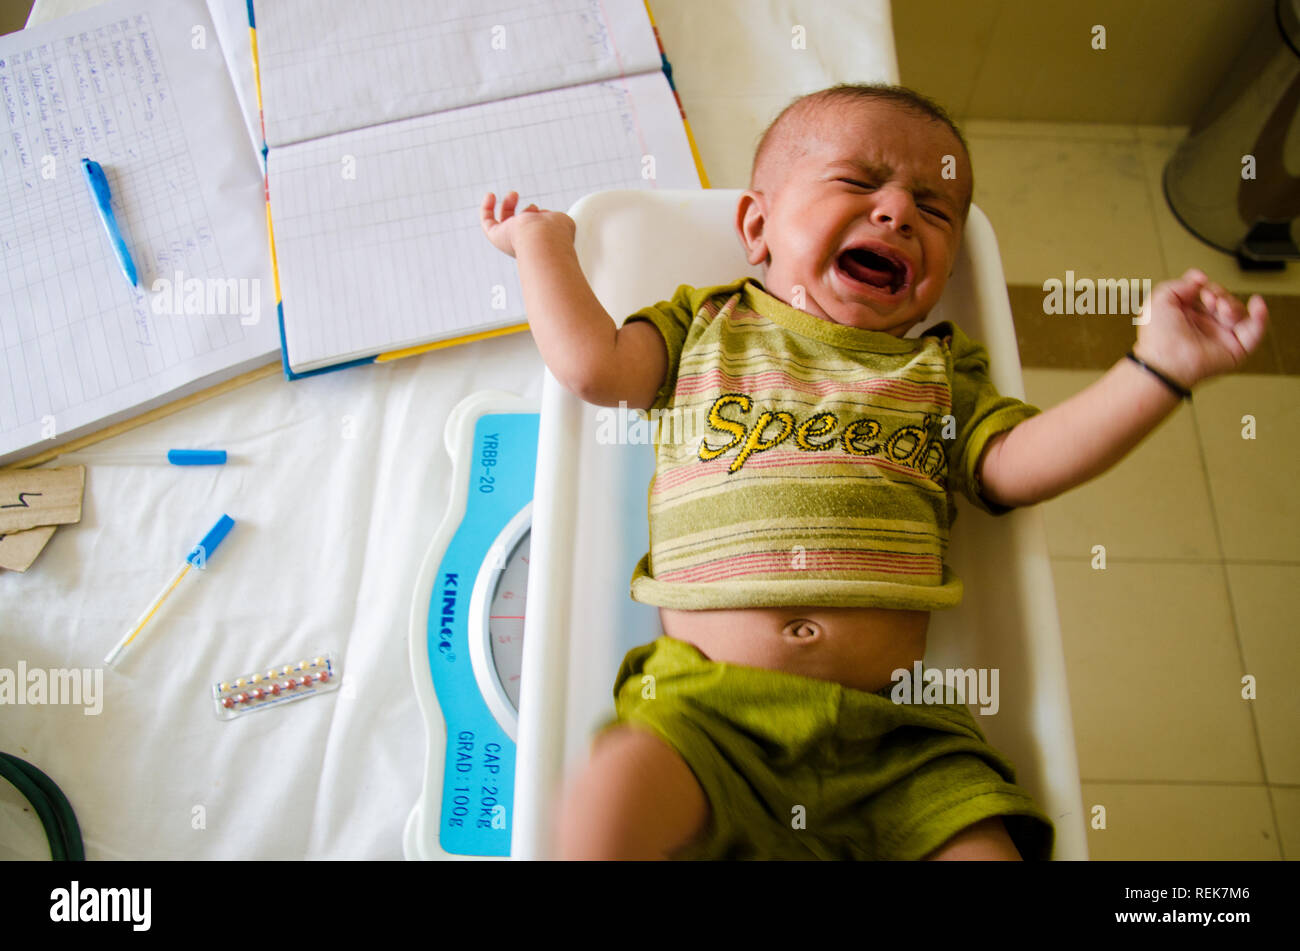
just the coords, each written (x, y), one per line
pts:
(589, 529)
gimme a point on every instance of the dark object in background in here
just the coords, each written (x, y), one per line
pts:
(1252, 114)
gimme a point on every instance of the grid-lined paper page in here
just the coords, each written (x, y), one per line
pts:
(140, 87)
(230, 18)
(377, 232)
(329, 67)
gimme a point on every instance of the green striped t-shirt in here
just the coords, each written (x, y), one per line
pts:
(804, 462)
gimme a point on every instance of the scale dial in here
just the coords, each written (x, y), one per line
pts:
(497, 620)
(506, 621)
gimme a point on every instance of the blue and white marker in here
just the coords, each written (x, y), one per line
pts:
(175, 457)
(197, 557)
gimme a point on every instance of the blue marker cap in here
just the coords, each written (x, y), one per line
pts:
(196, 457)
(201, 552)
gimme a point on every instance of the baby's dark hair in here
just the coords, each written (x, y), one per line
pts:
(778, 147)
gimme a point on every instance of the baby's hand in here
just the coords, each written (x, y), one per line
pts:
(1194, 329)
(504, 234)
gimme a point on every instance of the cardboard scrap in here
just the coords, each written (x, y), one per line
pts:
(19, 549)
(32, 497)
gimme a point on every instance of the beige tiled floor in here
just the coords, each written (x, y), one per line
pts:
(1090, 198)
(1199, 527)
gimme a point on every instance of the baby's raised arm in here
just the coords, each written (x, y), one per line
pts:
(586, 353)
(1192, 329)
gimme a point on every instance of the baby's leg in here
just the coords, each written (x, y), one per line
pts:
(984, 841)
(635, 799)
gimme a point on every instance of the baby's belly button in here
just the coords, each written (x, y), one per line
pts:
(857, 623)
(859, 647)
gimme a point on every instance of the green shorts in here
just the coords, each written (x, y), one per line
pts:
(799, 768)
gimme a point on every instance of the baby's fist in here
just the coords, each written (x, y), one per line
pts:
(504, 234)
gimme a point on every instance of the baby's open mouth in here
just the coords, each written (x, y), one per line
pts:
(879, 270)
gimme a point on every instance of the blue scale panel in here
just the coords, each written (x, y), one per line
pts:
(479, 772)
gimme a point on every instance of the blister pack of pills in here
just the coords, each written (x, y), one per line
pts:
(273, 686)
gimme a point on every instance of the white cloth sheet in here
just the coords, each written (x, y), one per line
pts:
(339, 484)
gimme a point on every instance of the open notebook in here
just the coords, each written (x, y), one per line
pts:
(144, 87)
(387, 122)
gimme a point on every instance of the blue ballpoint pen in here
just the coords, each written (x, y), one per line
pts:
(98, 184)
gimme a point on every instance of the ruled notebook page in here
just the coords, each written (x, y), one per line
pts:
(141, 88)
(377, 232)
(327, 68)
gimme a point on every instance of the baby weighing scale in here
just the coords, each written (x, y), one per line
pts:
(467, 632)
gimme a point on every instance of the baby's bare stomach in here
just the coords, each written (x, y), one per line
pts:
(856, 647)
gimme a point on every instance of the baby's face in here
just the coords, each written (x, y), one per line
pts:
(865, 222)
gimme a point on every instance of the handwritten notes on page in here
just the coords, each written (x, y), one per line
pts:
(140, 86)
